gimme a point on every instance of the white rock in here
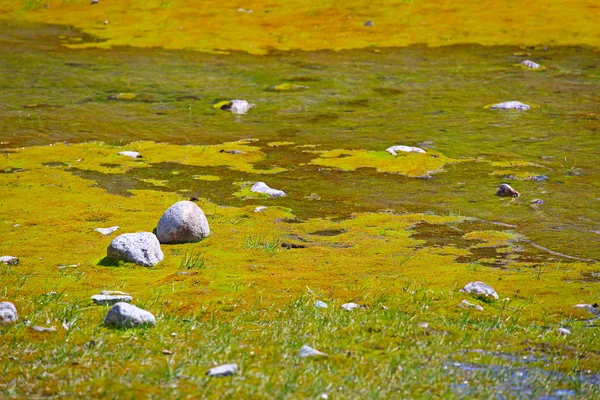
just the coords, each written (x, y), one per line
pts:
(323, 396)
(564, 331)
(141, 248)
(350, 306)
(108, 298)
(307, 351)
(510, 105)
(406, 149)
(320, 304)
(507, 191)
(107, 231)
(44, 328)
(223, 370)
(10, 260)
(423, 325)
(240, 106)
(594, 309)
(261, 187)
(126, 315)
(479, 289)
(260, 208)
(530, 64)
(183, 222)
(466, 304)
(132, 154)
(8, 313)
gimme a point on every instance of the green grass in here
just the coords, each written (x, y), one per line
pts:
(193, 261)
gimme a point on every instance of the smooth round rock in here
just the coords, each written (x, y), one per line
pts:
(142, 248)
(183, 222)
(8, 313)
(125, 315)
(480, 289)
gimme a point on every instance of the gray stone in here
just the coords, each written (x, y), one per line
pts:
(506, 191)
(530, 64)
(369, 23)
(125, 315)
(406, 149)
(8, 313)
(107, 231)
(108, 298)
(132, 154)
(183, 222)
(510, 105)
(141, 248)
(350, 306)
(307, 351)
(467, 304)
(223, 370)
(261, 187)
(10, 260)
(320, 304)
(479, 289)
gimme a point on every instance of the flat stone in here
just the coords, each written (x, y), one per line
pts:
(44, 328)
(142, 248)
(307, 351)
(510, 105)
(183, 222)
(108, 298)
(506, 191)
(8, 313)
(261, 187)
(530, 64)
(223, 370)
(125, 315)
(406, 149)
(467, 304)
(132, 154)
(9, 260)
(320, 304)
(350, 306)
(107, 231)
(479, 289)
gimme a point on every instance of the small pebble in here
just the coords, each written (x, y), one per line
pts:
(350, 306)
(320, 304)
(467, 304)
(537, 201)
(530, 64)
(564, 331)
(43, 329)
(369, 23)
(423, 325)
(260, 208)
(223, 370)
(107, 231)
(307, 351)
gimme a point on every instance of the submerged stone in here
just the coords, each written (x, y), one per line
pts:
(510, 105)
(8, 313)
(142, 248)
(9, 260)
(307, 351)
(406, 149)
(183, 222)
(107, 231)
(261, 187)
(125, 315)
(506, 191)
(479, 289)
(223, 370)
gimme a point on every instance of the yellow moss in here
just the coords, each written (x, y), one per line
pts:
(126, 96)
(517, 175)
(155, 182)
(207, 177)
(508, 164)
(287, 87)
(315, 25)
(493, 238)
(221, 104)
(409, 164)
(279, 144)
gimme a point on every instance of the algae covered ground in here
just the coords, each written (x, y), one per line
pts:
(398, 235)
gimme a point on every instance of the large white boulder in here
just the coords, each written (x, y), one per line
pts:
(125, 315)
(261, 187)
(8, 313)
(141, 248)
(183, 222)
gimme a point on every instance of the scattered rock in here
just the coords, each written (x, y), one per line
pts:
(235, 106)
(320, 304)
(369, 23)
(183, 222)
(307, 351)
(406, 149)
(563, 331)
(223, 370)
(261, 187)
(479, 289)
(510, 105)
(423, 325)
(142, 248)
(107, 231)
(313, 196)
(537, 201)
(44, 328)
(8, 313)
(530, 64)
(288, 245)
(231, 151)
(539, 178)
(467, 304)
(108, 298)
(350, 306)
(506, 191)
(594, 309)
(132, 154)
(260, 208)
(125, 315)
(167, 352)
(9, 260)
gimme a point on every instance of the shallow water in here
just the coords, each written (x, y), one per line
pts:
(363, 99)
